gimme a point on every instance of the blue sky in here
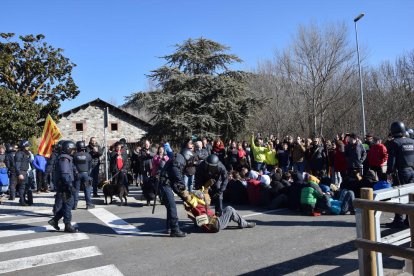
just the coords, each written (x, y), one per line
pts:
(115, 43)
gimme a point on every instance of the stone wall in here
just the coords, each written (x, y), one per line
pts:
(92, 118)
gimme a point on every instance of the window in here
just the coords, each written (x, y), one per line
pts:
(79, 126)
(114, 126)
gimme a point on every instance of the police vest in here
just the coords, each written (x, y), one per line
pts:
(404, 152)
(81, 162)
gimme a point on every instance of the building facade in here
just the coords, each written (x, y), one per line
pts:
(88, 120)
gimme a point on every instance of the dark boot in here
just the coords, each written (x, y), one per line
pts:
(178, 234)
(70, 229)
(54, 224)
(29, 197)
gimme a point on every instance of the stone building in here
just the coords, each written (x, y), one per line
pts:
(87, 120)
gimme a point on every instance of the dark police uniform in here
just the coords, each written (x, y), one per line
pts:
(10, 164)
(64, 185)
(51, 169)
(401, 163)
(22, 165)
(96, 155)
(401, 159)
(174, 170)
(83, 163)
(219, 178)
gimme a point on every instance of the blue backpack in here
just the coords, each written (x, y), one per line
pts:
(4, 177)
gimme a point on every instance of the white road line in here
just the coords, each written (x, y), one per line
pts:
(4, 224)
(36, 213)
(266, 212)
(12, 246)
(29, 230)
(117, 224)
(107, 270)
(49, 258)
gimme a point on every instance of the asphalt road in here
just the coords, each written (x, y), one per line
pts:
(115, 240)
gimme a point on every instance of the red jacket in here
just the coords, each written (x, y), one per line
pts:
(339, 161)
(377, 155)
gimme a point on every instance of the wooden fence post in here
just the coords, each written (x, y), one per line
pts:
(368, 233)
(411, 221)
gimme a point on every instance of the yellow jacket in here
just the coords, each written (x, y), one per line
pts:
(259, 153)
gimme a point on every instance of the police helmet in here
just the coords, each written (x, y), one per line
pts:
(80, 145)
(187, 153)
(59, 145)
(9, 148)
(24, 143)
(68, 147)
(212, 163)
(410, 133)
(397, 129)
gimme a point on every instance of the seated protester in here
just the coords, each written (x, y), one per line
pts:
(235, 192)
(343, 202)
(279, 190)
(310, 195)
(199, 211)
(369, 179)
(294, 192)
(382, 183)
(352, 182)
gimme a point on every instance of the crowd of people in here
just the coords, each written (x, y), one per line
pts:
(314, 176)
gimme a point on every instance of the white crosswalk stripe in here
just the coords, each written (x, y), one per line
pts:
(13, 246)
(29, 230)
(4, 224)
(48, 258)
(116, 223)
(46, 243)
(107, 270)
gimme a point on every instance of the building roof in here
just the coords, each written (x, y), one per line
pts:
(105, 104)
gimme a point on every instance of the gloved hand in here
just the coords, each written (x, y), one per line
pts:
(181, 187)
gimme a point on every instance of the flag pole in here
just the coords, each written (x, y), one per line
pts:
(106, 114)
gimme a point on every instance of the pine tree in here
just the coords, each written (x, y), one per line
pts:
(198, 94)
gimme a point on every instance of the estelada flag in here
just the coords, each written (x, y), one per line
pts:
(51, 134)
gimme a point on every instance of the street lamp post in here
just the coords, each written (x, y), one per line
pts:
(360, 76)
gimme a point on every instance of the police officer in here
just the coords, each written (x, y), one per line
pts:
(83, 163)
(400, 162)
(211, 173)
(96, 152)
(64, 198)
(10, 164)
(22, 165)
(51, 164)
(174, 170)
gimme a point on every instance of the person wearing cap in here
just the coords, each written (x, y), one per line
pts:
(355, 155)
(212, 174)
(22, 166)
(400, 164)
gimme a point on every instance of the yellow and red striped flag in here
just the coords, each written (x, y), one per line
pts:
(51, 134)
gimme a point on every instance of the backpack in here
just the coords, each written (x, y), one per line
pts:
(4, 180)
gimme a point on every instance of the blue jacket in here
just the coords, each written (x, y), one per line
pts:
(40, 162)
(168, 150)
